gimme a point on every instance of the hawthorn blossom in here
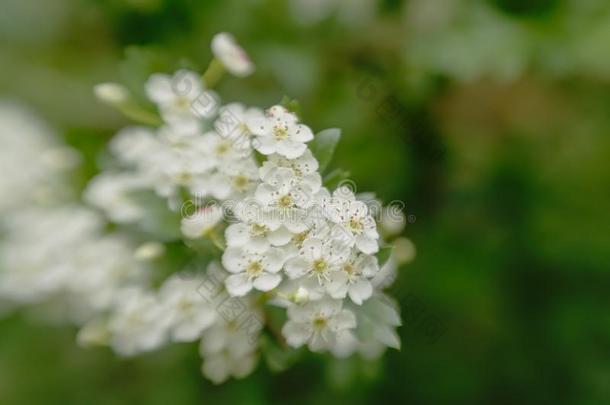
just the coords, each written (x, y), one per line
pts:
(319, 324)
(229, 347)
(317, 258)
(252, 270)
(139, 323)
(280, 132)
(304, 168)
(113, 193)
(231, 55)
(202, 222)
(190, 314)
(182, 98)
(355, 225)
(353, 278)
(235, 122)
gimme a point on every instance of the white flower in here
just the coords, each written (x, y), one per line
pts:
(258, 270)
(135, 145)
(32, 163)
(235, 123)
(111, 93)
(259, 228)
(113, 193)
(353, 278)
(282, 190)
(189, 311)
(355, 226)
(317, 258)
(304, 168)
(232, 180)
(377, 320)
(319, 324)
(149, 251)
(182, 99)
(279, 132)
(231, 55)
(201, 222)
(138, 324)
(229, 346)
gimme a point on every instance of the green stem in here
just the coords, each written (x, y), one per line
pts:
(135, 112)
(216, 240)
(214, 73)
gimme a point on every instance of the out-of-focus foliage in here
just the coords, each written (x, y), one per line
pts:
(490, 119)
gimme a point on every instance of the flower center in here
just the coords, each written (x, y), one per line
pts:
(222, 148)
(319, 266)
(280, 132)
(356, 225)
(182, 103)
(319, 323)
(285, 201)
(258, 230)
(240, 182)
(185, 305)
(184, 177)
(254, 269)
(299, 238)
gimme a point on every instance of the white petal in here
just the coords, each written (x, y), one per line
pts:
(265, 145)
(232, 259)
(367, 245)
(267, 281)
(216, 368)
(275, 260)
(301, 133)
(296, 267)
(264, 193)
(296, 333)
(238, 285)
(159, 88)
(280, 236)
(290, 149)
(344, 320)
(360, 291)
(237, 234)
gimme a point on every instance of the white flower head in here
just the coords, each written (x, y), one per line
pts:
(319, 324)
(182, 99)
(231, 55)
(353, 278)
(317, 259)
(235, 122)
(190, 313)
(280, 132)
(252, 270)
(138, 324)
(354, 224)
(202, 221)
(111, 93)
(305, 169)
(113, 193)
(229, 346)
(258, 230)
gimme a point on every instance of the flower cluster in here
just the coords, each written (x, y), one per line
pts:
(243, 190)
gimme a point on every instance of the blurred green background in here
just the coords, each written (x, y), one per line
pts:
(488, 118)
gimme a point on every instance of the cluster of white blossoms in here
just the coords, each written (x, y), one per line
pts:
(259, 229)
(53, 250)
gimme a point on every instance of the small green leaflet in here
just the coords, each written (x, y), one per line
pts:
(324, 144)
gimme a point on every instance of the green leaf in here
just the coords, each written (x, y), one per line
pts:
(291, 104)
(332, 179)
(324, 144)
(384, 255)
